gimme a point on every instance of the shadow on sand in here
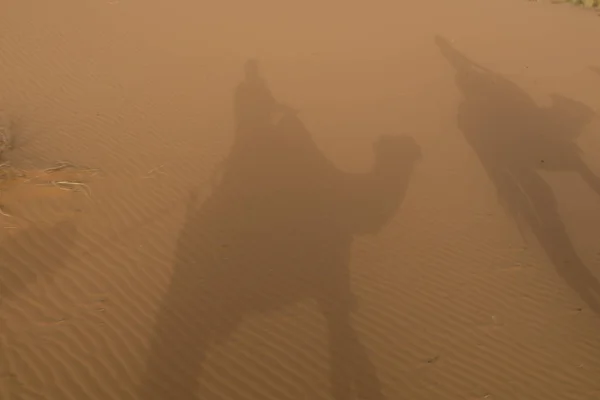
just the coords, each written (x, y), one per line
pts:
(515, 139)
(277, 229)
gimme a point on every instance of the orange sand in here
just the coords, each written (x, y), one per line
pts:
(399, 200)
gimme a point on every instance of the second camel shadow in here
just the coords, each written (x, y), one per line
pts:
(277, 229)
(515, 139)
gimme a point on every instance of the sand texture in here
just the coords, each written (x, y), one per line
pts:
(323, 200)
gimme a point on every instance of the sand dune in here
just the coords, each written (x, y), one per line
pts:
(397, 201)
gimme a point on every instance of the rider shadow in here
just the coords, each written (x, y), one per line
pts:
(515, 139)
(277, 229)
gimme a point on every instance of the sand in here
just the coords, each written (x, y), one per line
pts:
(314, 200)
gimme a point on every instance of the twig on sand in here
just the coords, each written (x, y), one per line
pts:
(61, 165)
(2, 212)
(156, 170)
(74, 186)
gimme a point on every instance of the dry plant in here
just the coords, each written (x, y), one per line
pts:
(10, 174)
(69, 185)
(593, 4)
(5, 141)
(7, 171)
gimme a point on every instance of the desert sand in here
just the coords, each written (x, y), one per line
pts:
(319, 200)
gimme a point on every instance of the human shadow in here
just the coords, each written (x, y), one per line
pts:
(515, 139)
(37, 253)
(277, 229)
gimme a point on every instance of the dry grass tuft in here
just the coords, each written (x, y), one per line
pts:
(64, 175)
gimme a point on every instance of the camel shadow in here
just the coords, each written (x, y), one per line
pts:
(515, 139)
(277, 229)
